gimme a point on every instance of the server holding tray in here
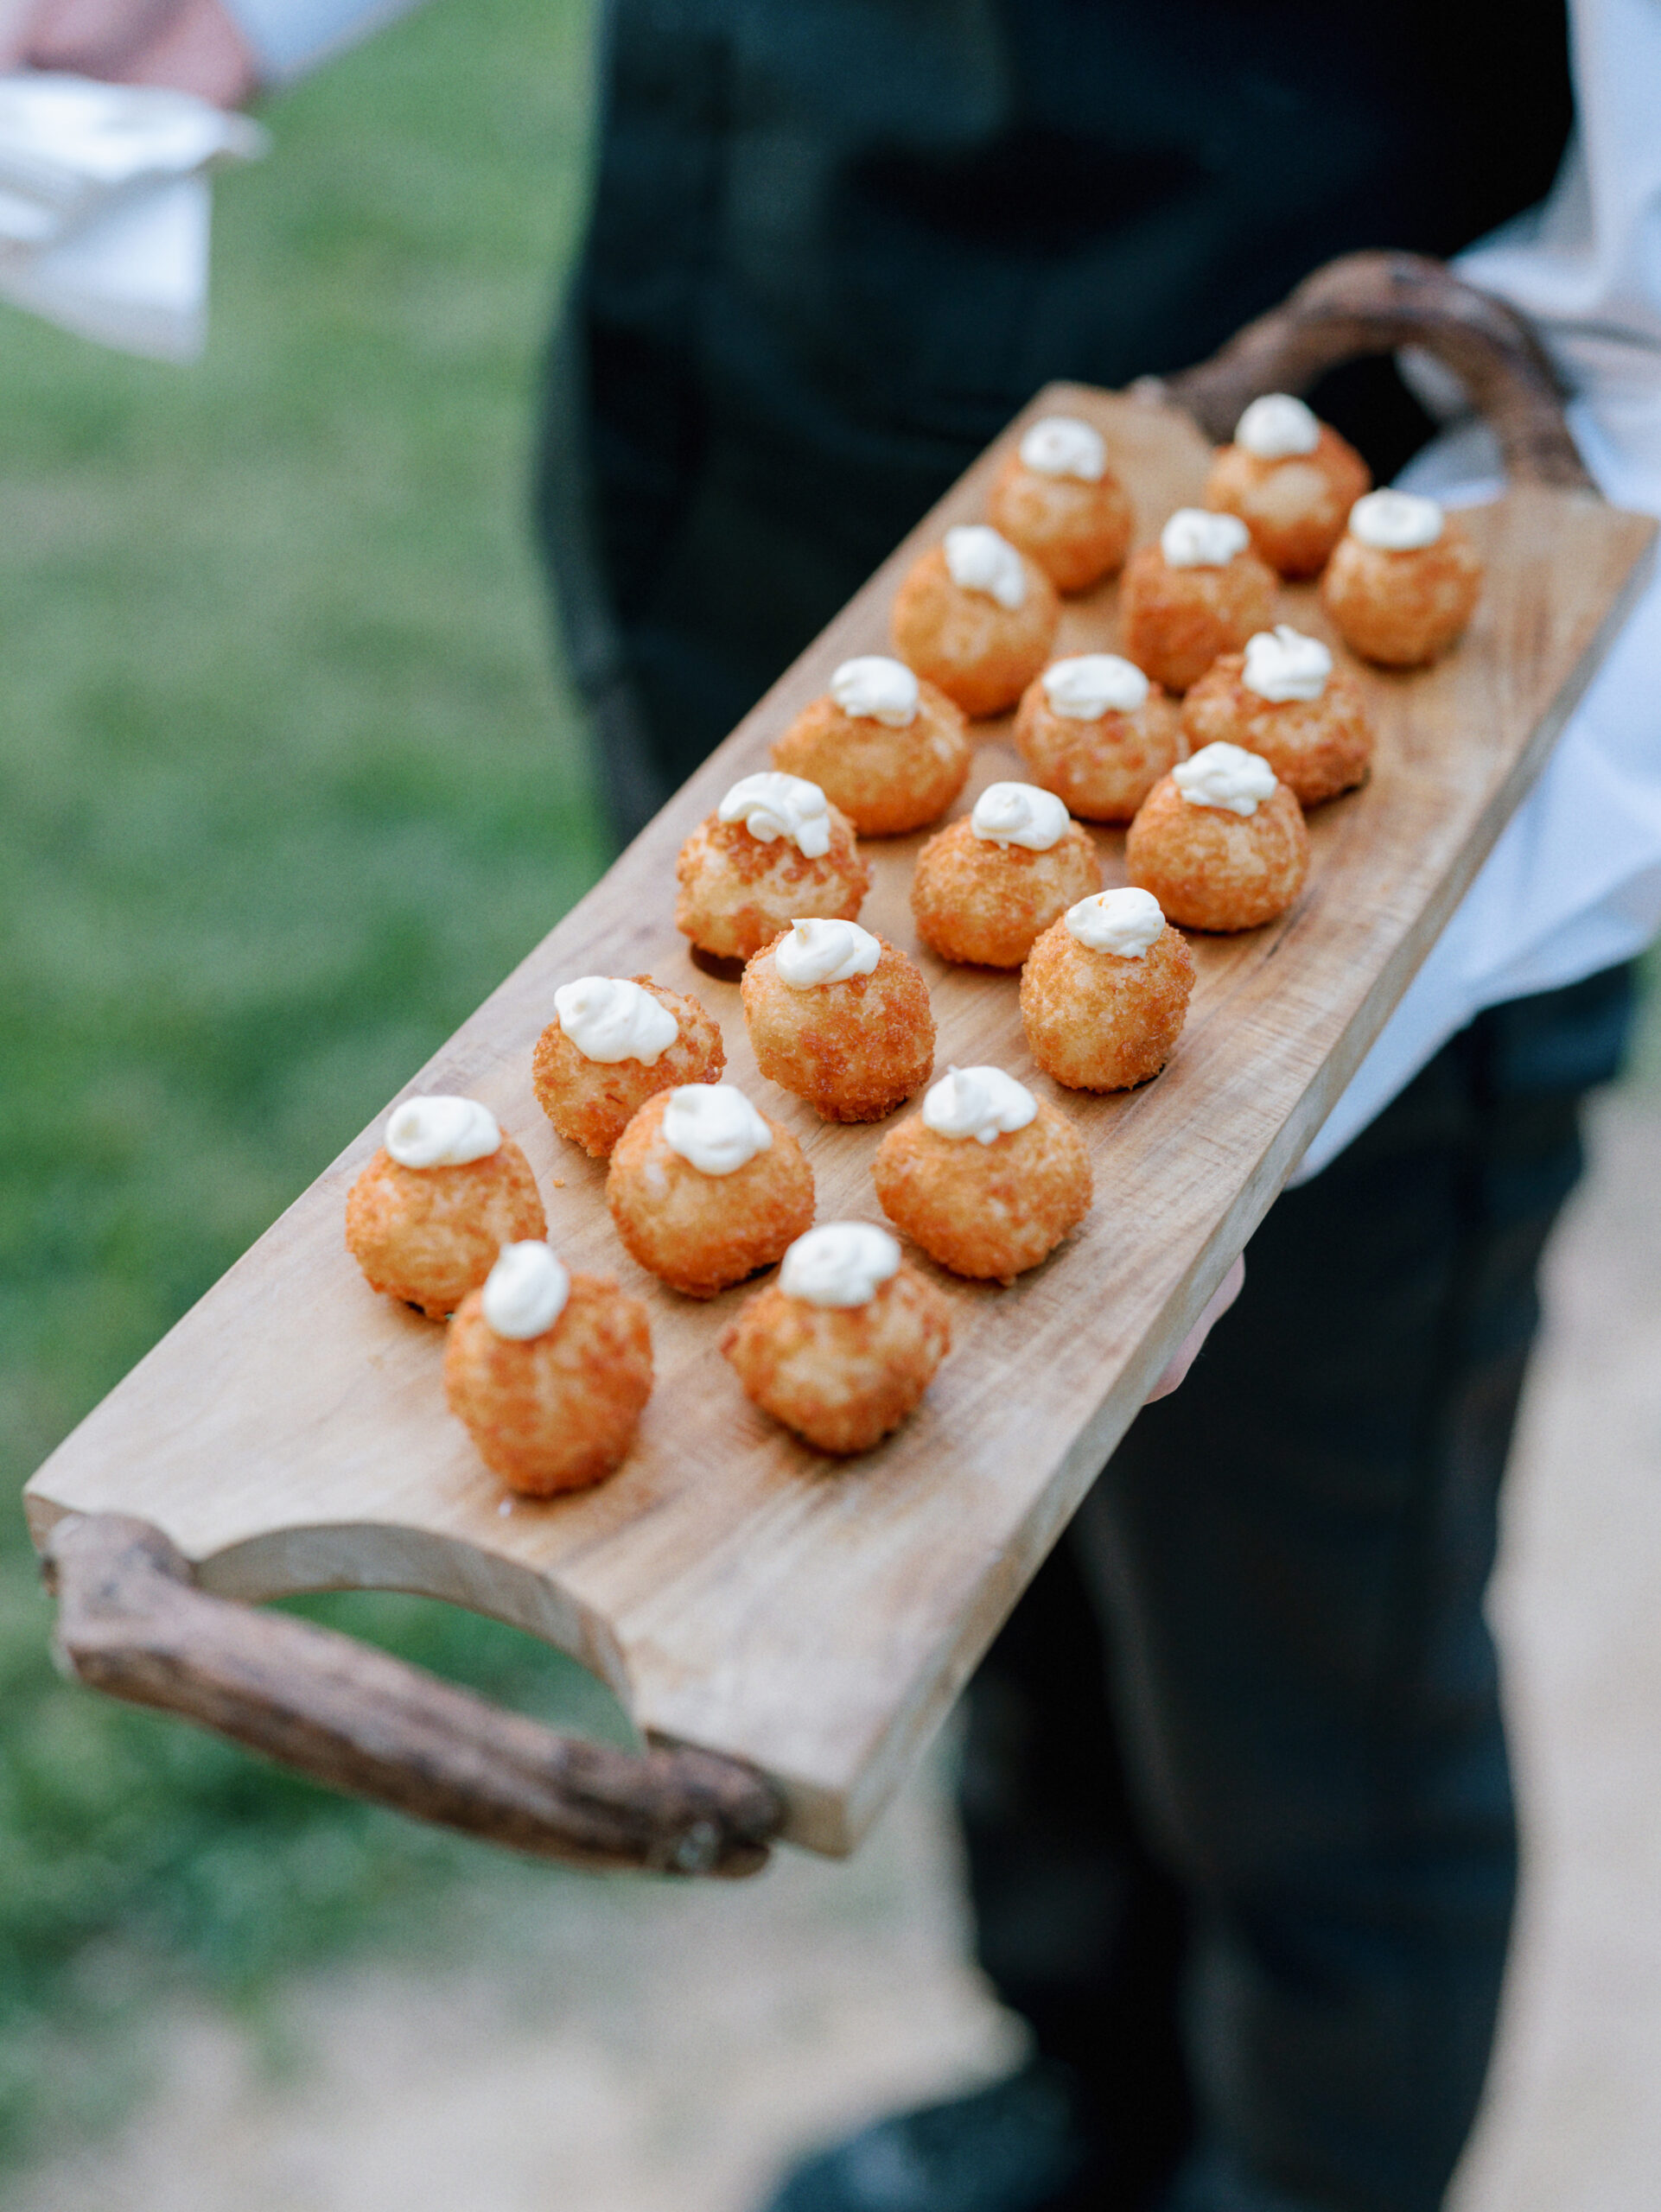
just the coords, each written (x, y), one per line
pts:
(1239, 1823)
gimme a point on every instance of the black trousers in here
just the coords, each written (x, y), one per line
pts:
(1235, 1794)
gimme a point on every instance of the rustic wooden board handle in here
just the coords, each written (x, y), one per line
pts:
(132, 1622)
(1371, 303)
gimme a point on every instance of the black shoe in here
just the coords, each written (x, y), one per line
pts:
(1018, 2146)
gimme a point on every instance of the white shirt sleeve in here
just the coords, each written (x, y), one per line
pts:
(1573, 884)
(289, 36)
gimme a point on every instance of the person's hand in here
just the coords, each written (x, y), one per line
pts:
(1219, 1303)
(191, 45)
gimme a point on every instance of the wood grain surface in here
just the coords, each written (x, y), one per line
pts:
(738, 1591)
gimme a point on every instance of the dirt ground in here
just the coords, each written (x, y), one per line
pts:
(622, 2049)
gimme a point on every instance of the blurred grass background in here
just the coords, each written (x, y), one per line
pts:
(289, 782)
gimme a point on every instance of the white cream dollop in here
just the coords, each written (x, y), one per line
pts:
(1196, 539)
(1396, 522)
(878, 690)
(771, 806)
(1019, 814)
(714, 1128)
(1278, 426)
(841, 1264)
(440, 1131)
(1061, 445)
(1126, 921)
(609, 1019)
(977, 559)
(525, 1292)
(1090, 685)
(981, 1103)
(1227, 776)
(1282, 663)
(819, 952)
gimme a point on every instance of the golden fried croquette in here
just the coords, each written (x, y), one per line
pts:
(700, 1227)
(745, 878)
(1102, 764)
(430, 1234)
(590, 1101)
(1056, 499)
(988, 1209)
(1291, 479)
(976, 616)
(842, 1371)
(1402, 605)
(556, 1410)
(853, 1045)
(1318, 745)
(888, 749)
(1175, 616)
(1213, 867)
(981, 899)
(1101, 1019)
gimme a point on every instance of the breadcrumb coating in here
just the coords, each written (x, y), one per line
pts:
(853, 1050)
(886, 780)
(737, 891)
(989, 1212)
(842, 1377)
(1214, 870)
(1404, 610)
(983, 904)
(1176, 621)
(700, 1233)
(979, 653)
(591, 1103)
(1317, 747)
(1098, 1021)
(559, 1411)
(1077, 532)
(1295, 508)
(430, 1235)
(1103, 770)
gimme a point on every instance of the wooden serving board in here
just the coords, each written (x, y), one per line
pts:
(736, 1591)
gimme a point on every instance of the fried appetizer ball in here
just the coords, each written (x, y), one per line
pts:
(549, 1372)
(1403, 581)
(428, 1214)
(773, 849)
(1097, 733)
(841, 1018)
(976, 618)
(1105, 992)
(985, 1179)
(983, 888)
(1283, 698)
(1291, 479)
(1200, 592)
(845, 1342)
(704, 1190)
(890, 751)
(1057, 499)
(612, 1045)
(1220, 842)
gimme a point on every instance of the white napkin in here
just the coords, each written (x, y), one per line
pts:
(105, 206)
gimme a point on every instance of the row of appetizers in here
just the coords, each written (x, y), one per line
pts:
(775, 879)
(892, 752)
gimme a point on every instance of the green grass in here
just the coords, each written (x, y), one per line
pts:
(287, 782)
